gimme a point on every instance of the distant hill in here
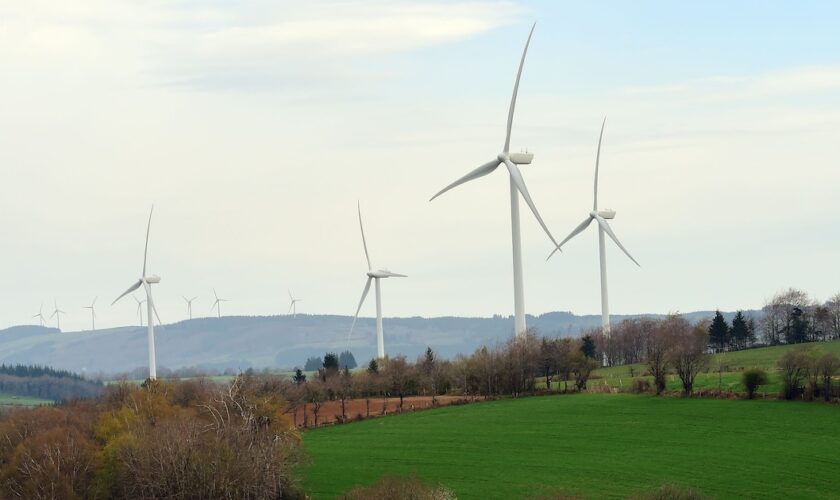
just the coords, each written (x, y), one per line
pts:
(242, 342)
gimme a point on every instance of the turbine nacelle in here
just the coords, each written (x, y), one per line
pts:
(384, 273)
(522, 158)
(605, 214)
(153, 279)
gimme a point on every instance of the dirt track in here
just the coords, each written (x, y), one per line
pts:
(330, 411)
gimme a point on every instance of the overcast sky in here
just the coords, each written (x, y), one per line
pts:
(254, 128)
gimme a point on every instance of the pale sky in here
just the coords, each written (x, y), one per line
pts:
(255, 127)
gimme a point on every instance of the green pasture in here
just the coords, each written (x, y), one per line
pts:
(11, 400)
(593, 445)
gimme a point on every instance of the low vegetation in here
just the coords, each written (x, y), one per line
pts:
(192, 439)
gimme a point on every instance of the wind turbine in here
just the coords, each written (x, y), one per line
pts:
(57, 313)
(139, 308)
(189, 305)
(217, 305)
(601, 217)
(373, 276)
(293, 304)
(92, 313)
(40, 314)
(517, 188)
(146, 282)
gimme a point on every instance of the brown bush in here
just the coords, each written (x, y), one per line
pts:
(399, 488)
(671, 492)
(640, 386)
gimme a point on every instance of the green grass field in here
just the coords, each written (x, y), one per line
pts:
(593, 445)
(7, 400)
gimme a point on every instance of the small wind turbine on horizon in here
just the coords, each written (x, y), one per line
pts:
(189, 305)
(517, 187)
(57, 313)
(146, 282)
(40, 314)
(139, 311)
(217, 305)
(601, 217)
(372, 276)
(92, 313)
(293, 304)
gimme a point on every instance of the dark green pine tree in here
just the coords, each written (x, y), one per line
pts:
(347, 360)
(373, 366)
(299, 377)
(739, 333)
(719, 332)
(587, 346)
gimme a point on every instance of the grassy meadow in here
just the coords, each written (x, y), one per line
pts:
(10, 400)
(593, 445)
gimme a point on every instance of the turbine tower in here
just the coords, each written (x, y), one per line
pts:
(293, 304)
(372, 276)
(92, 313)
(57, 314)
(146, 281)
(601, 217)
(217, 305)
(40, 314)
(517, 188)
(189, 305)
(139, 311)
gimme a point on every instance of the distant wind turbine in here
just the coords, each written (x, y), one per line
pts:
(601, 217)
(217, 305)
(139, 311)
(57, 313)
(40, 314)
(375, 276)
(146, 281)
(517, 187)
(92, 313)
(293, 304)
(189, 305)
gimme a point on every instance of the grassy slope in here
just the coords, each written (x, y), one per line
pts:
(595, 445)
(11, 400)
(733, 363)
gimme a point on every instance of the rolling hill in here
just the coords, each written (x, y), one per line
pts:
(241, 342)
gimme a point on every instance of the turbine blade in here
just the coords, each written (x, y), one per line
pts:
(290, 307)
(131, 289)
(364, 243)
(583, 225)
(389, 274)
(606, 227)
(364, 295)
(146, 248)
(597, 161)
(290, 294)
(516, 177)
(475, 174)
(516, 90)
(151, 301)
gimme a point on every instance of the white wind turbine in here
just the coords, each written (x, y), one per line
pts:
(139, 311)
(517, 187)
(373, 276)
(146, 282)
(40, 314)
(189, 305)
(217, 305)
(92, 313)
(293, 304)
(57, 313)
(601, 217)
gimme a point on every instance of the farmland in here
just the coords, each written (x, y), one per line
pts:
(570, 444)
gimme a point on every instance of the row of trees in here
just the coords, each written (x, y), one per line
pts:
(793, 317)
